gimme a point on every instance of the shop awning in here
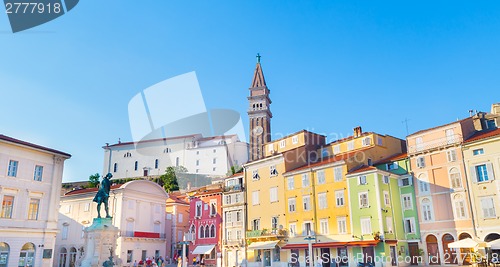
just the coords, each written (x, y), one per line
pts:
(367, 243)
(330, 244)
(205, 249)
(295, 246)
(263, 245)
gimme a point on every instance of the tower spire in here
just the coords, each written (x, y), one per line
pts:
(258, 76)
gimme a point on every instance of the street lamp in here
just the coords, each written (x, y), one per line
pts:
(309, 246)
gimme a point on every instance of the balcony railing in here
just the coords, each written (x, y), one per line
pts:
(234, 242)
(234, 224)
(435, 144)
(266, 232)
(137, 234)
(233, 188)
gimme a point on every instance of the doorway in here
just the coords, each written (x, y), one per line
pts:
(465, 253)
(415, 256)
(450, 256)
(432, 250)
(368, 255)
(325, 257)
(393, 255)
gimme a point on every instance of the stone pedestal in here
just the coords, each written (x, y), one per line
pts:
(100, 244)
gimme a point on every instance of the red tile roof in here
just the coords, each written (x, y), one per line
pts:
(362, 168)
(24, 143)
(350, 138)
(88, 190)
(483, 135)
(392, 158)
(329, 160)
(439, 126)
(177, 199)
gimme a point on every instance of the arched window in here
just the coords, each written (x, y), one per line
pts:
(4, 254)
(72, 257)
(207, 231)
(459, 207)
(63, 257)
(27, 255)
(136, 165)
(427, 213)
(156, 163)
(115, 167)
(202, 231)
(455, 178)
(167, 150)
(212, 231)
(423, 184)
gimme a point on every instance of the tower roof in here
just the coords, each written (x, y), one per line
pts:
(258, 76)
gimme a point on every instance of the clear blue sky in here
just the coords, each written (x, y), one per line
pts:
(330, 65)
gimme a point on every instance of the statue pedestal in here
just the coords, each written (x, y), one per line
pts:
(100, 244)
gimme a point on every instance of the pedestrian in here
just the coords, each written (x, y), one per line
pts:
(194, 261)
(135, 263)
(179, 262)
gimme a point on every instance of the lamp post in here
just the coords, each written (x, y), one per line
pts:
(309, 246)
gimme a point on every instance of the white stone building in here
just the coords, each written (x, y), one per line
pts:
(30, 186)
(233, 221)
(212, 156)
(138, 210)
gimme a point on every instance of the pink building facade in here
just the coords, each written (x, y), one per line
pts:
(205, 224)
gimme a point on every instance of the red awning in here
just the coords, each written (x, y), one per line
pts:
(295, 246)
(367, 243)
(330, 244)
(391, 242)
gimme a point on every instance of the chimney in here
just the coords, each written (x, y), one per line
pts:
(495, 109)
(357, 131)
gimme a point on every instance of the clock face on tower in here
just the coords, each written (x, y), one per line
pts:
(257, 130)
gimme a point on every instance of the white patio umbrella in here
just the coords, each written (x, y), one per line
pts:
(464, 243)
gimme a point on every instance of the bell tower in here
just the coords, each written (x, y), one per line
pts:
(259, 113)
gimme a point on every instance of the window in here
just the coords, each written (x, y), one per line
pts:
(272, 170)
(38, 173)
(385, 179)
(323, 226)
(488, 207)
(405, 181)
(387, 199)
(478, 151)
(336, 149)
(321, 177)
(362, 179)
(366, 226)
(213, 207)
(270, 148)
(342, 225)
(423, 184)
(455, 178)
(307, 229)
(388, 223)
(481, 172)
(367, 141)
(228, 234)
(407, 201)
(255, 198)
(12, 172)
(202, 231)
(459, 205)
(392, 166)
(229, 217)
(255, 175)
(293, 229)
(421, 162)
(379, 141)
(409, 224)
(282, 143)
(207, 231)
(451, 155)
(115, 167)
(324, 152)
(427, 210)
(177, 162)
(292, 204)
(306, 201)
(305, 180)
(238, 234)
(156, 163)
(228, 199)
(198, 209)
(256, 224)
(214, 160)
(339, 198)
(337, 174)
(7, 207)
(295, 139)
(274, 223)
(350, 145)
(419, 143)
(64, 233)
(168, 150)
(129, 256)
(363, 200)
(273, 194)
(136, 165)
(214, 168)
(197, 162)
(212, 231)
(215, 150)
(237, 198)
(33, 209)
(322, 203)
(290, 183)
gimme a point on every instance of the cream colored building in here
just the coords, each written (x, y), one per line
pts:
(30, 185)
(138, 210)
(233, 221)
(482, 161)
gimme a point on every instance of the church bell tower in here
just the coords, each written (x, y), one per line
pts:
(259, 113)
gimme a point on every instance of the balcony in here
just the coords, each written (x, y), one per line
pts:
(136, 234)
(234, 242)
(189, 236)
(266, 232)
(435, 144)
(234, 224)
(233, 188)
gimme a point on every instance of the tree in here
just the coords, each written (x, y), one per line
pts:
(94, 180)
(169, 180)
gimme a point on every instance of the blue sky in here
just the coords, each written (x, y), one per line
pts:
(330, 65)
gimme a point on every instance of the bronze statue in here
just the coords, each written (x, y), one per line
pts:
(103, 195)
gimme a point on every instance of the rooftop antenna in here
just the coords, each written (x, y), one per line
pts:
(471, 112)
(406, 124)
